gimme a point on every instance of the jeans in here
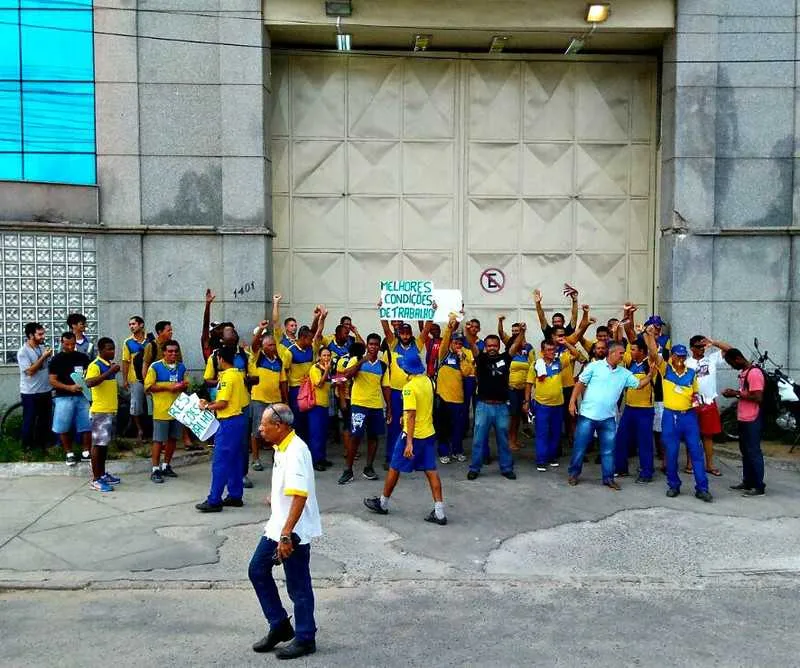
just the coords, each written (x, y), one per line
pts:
(298, 584)
(636, 425)
(677, 426)
(318, 431)
(226, 467)
(36, 418)
(584, 430)
(300, 418)
(396, 425)
(752, 457)
(486, 417)
(548, 432)
(451, 438)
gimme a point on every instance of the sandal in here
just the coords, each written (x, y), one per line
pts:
(688, 470)
(714, 472)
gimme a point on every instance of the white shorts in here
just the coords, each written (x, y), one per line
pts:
(658, 413)
(138, 398)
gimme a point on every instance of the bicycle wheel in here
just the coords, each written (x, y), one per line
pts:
(730, 425)
(11, 422)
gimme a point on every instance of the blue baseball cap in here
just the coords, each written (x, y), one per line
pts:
(654, 320)
(679, 350)
(411, 364)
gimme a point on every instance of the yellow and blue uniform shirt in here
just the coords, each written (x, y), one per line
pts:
(418, 397)
(520, 363)
(643, 397)
(367, 389)
(159, 373)
(231, 388)
(322, 393)
(678, 389)
(104, 395)
(130, 348)
(549, 391)
(450, 378)
(270, 374)
(397, 376)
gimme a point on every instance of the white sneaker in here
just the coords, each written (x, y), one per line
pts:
(461, 458)
(86, 455)
(71, 459)
(444, 460)
(554, 465)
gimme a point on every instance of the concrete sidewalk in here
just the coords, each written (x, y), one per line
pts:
(57, 532)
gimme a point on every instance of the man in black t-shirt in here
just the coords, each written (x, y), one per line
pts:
(491, 409)
(558, 318)
(71, 406)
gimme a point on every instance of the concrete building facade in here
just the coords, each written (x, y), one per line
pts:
(237, 149)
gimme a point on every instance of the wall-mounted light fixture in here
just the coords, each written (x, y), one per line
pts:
(421, 42)
(498, 43)
(597, 12)
(343, 41)
(338, 8)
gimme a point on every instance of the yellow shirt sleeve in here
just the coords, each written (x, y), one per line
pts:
(224, 390)
(92, 372)
(208, 373)
(409, 399)
(283, 378)
(531, 379)
(661, 366)
(150, 379)
(315, 374)
(126, 353)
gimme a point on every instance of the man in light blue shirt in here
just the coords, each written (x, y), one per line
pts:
(600, 384)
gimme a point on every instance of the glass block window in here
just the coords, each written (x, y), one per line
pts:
(45, 277)
(47, 121)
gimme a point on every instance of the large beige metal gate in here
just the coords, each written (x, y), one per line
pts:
(406, 167)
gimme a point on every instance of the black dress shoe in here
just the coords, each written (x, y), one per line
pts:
(327, 463)
(232, 503)
(741, 487)
(509, 475)
(281, 633)
(207, 507)
(296, 649)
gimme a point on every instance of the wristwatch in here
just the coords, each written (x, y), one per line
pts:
(286, 539)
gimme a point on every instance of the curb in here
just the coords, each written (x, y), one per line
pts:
(141, 465)
(772, 462)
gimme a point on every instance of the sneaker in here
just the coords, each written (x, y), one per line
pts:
(704, 496)
(228, 502)
(444, 460)
(672, 492)
(541, 467)
(247, 483)
(374, 504)
(641, 480)
(327, 463)
(110, 479)
(167, 472)
(508, 475)
(257, 465)
(472, 475)
(71, 459)
(572, 481)
(101, 486)
(750, 493)
(613, 485)
(741, 487)
(347, 476)
(369, 473)
(432, 518)
(319, 467)
(86, 456)
(461, 458)
(207, 507)
(156, 476)
(554, 465)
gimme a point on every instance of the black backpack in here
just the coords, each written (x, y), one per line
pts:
(138, 358)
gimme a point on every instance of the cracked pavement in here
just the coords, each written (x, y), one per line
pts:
(533, 551)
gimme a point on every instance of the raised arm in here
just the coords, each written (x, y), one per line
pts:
(519, 342)
(320, 323)
(388, 334)
(537, 300)
(583, 325)
(255, 344)
(276, 316)
(472, 342)
(501, 332)
(573, 314)
(652, 345)
(628, 323)
(444, 346)
(204, 335)
(724, 347)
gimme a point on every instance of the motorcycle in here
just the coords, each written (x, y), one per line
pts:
(780, 406)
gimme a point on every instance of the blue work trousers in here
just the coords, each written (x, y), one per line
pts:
(635, 428)
(226, 467)
(549, 420)
(677, 426)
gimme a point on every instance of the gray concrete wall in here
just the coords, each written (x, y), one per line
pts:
(730, 190)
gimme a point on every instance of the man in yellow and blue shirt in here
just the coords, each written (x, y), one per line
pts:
(679, 422)
(266, 367)
(101, 378)
(230, 406)
(455, 365)
(545, 380)
(636, 424)
(298, 358)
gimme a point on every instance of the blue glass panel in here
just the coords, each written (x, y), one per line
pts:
(9, 4)
(58, 118)
(57, 45)
(9, 43)
(60, 168)
(10, 118)
(53, 4)
(11, 166)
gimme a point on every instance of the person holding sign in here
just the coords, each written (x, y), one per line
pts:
(165, 380)
(455, 364)
(370, 391)
(415, 449)
(230, 404)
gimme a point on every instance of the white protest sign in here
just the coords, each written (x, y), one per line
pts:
(186, 410)
(447, 302)
(406, 300)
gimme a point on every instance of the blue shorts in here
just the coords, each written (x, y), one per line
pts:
(424, 458)
(515, 400)
(369, 420)
(71, 411)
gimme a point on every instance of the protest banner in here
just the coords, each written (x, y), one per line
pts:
(406, 300)
(447, 302)
(186, 410)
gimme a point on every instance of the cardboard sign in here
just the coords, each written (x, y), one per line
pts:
(447, 302)
(406, 300)
(186, 410)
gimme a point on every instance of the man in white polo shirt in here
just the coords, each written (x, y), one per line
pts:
(287, 539)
